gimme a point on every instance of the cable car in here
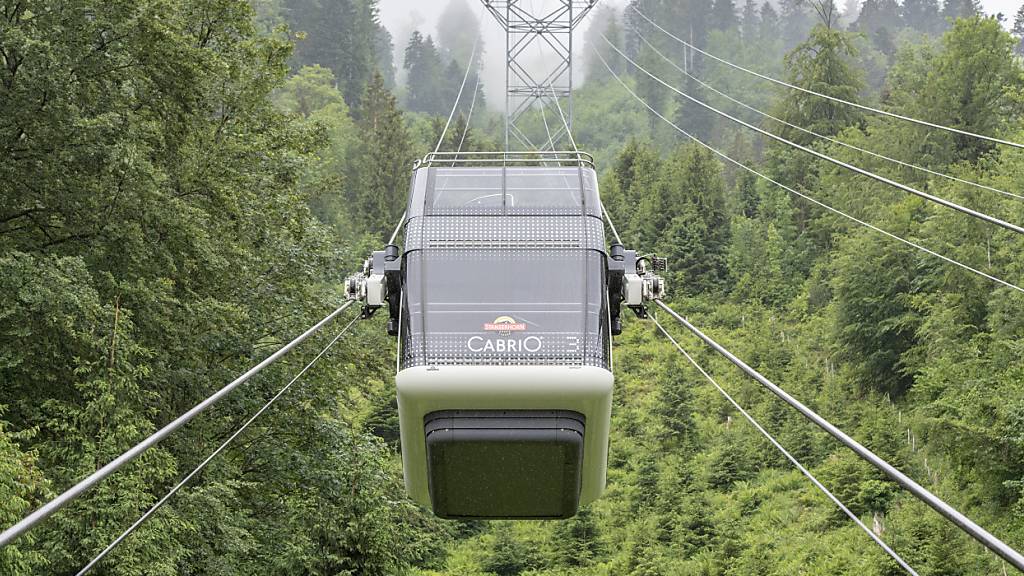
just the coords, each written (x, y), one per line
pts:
(504, 299)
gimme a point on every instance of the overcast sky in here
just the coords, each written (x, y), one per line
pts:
(402, 16)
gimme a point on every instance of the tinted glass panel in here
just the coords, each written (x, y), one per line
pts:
(511, 306)
(533, 190)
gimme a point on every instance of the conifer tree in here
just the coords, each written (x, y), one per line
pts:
(723, 15)
(770, 27)
(922, 15)
(749, 22)
(1018, 30)
(954, 9)
(427, 83)
(823, 63)
(381, 171)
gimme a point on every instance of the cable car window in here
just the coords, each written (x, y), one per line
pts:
(484, 306)
(557, 189)
(465, 191)
(514, 190)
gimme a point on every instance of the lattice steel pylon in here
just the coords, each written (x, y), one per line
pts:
(525, 85)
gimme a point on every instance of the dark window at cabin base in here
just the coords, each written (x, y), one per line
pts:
(493, 464)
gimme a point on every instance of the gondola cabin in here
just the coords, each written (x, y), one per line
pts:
(504, 321)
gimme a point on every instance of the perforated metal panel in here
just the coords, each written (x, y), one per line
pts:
(505, 266)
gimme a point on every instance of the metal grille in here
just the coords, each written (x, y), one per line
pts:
(535, 232)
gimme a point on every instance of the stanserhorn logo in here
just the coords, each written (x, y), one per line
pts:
(504, 325)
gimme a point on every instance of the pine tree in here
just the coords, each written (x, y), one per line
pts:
(879, 20)
(749, 22)
(824, 63)
(381, 171)
(343, 35)
(1018, 30)
(723, 15)
(457, 29)
(954, 9)
(576, 541)
(796, 22)
(426, 81)
(770, 27)
(693, 226)
(605, 21)
(922, 15)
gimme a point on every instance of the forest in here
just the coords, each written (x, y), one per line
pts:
(185, 185)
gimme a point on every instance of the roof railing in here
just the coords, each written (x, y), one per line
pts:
(569, 158)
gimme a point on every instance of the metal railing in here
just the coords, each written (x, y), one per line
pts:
(567, 158)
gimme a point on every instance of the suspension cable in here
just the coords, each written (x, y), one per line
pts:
(469, 117)
(816, 134)
(458, 97)
(75, 491)
(826, 96)
(921, 493)
(544, 118)
(892, 553)
(795, 192)
(565, 122)
(948, 204)
(572, 140)
(159, 503)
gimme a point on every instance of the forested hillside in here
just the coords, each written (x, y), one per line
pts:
(185, 184)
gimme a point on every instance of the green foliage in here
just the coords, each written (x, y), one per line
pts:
(181, 194)
(342, 35)
(823, 64)
(157, 240)
(380, 170)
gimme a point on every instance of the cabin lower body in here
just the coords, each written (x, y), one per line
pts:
(512, 442)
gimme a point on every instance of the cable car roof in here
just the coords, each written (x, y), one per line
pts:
(504, 183)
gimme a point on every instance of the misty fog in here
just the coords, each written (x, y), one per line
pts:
(402, 17)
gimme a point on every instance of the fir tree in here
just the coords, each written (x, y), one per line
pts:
(770, 27)
(749, 22)
(954, 9)
(381, 171)
(922, 15)
(427, 84)
(723, 15)
(1018, 30)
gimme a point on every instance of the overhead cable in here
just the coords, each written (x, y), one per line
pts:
(826, 96)
(458, 97)
(75, 491)
(469, 116)
(795, 192)
(159, 503)
(568, 131)
(994, 544)
(821, 136)
(932, 198)
(892, 553)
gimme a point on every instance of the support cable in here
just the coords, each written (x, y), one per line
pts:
(607, 217)
(159, 503)
(544, 118)
(568, 130)
(892, 553)
(948, 204)
(75, 491)
(458, 97)
(817, 135)
(826, 96)
(994, 544)
(795, 192)
(469, 116)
